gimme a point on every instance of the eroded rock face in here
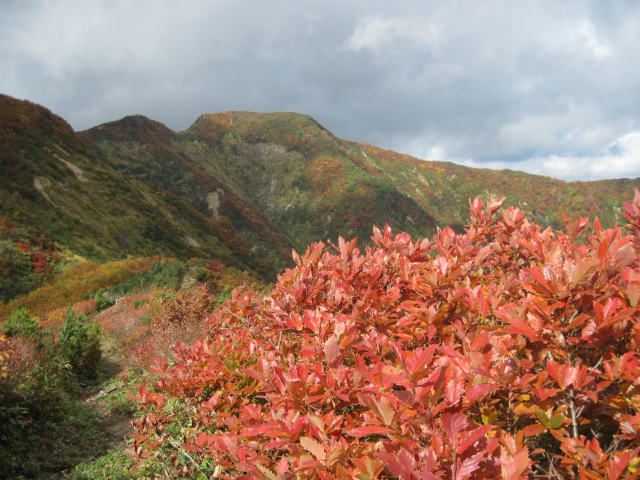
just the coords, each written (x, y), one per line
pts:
(41, 184)
(77, 171)
(213, 201)
(190, 241)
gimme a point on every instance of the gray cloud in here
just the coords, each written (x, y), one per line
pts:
(547, 87)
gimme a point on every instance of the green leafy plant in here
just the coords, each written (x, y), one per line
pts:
(79, 341)
(103, 300)
(21, 322)
(115, 464)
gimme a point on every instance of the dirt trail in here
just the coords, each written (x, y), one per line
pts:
(117, 428)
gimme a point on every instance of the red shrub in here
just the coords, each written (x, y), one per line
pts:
(182, 319)
(502, 352)
(85, 306)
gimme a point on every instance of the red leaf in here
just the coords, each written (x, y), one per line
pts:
(202, 440)
(452, 424)
(365, 430)
(313, 447)
(514, 467)
(402, 464)
(617, 465)
(479, 391)
(331, 350)
(453, 391)
(283, 466)
(469, 466)
(471, 437)
(533, 430)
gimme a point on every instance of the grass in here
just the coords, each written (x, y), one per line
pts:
(113, 464)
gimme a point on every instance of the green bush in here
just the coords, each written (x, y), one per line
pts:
(79, 341)
(103, 300)
(16, 272)
(43, 425)
(21, 322)
(163, 273)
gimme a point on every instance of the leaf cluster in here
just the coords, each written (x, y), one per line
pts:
(504, 351)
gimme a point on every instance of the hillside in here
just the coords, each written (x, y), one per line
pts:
(311, 185)
(57, 188)
(122, 247)
(239, 187)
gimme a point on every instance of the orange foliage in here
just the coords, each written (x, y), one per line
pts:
(508, 351)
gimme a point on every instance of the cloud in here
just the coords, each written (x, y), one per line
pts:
(493, 82)
(619, 159)
(597, 47)
(373, 32)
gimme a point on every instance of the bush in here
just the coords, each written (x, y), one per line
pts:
(103, 300)
(506, 351)
(17, 276)
(79, 341)
(42, 424)
(163, 273)
(21, 322)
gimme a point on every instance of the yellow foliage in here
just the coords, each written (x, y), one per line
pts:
(4, 355)
(73, 284)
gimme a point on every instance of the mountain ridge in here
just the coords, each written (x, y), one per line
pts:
(244, 187)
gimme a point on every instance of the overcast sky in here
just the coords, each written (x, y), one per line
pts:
(548, 87)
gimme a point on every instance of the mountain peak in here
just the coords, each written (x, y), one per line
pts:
(136, 128)
(290, 129)
(29, 118)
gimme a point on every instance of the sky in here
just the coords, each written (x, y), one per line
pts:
(546, 87)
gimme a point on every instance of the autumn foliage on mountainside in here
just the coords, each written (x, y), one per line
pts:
(507, 351)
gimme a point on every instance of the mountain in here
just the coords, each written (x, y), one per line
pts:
(57, 187)
(311, 185)
(243, 188)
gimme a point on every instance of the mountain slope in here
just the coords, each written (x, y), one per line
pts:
(321, 175)
(144, 149)
(308, 184)
(242, 187)
(56, 184)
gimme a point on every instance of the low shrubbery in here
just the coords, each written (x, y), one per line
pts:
(163, 273)
(42, 425)
(49, 362)
(79, 343)
(181, 318)
(506, 351)
(21, 322)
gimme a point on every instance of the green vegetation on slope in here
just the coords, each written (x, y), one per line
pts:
(57, 191)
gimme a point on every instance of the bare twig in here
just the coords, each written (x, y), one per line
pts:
(599, 363)
(103, 393)
(574, 413)
(552, 472)
(572, 398)
(177, 447)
